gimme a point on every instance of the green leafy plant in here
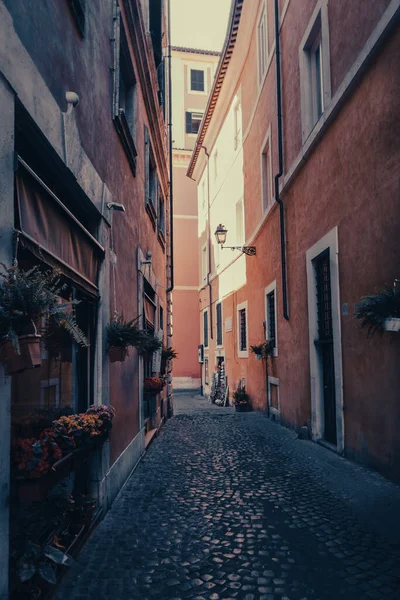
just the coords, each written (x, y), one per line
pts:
(240, 396)
(40, 561)
(373, 310)
(168, 354)
(265, 349)
(26, 297)
(122, 334)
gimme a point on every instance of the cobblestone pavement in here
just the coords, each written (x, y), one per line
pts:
(230, 505)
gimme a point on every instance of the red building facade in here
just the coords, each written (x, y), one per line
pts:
(328, 238)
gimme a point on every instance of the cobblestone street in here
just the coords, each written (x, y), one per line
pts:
(230, 505)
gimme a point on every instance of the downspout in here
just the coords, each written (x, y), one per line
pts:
(209, 241)
(171, 204)
(280, 155)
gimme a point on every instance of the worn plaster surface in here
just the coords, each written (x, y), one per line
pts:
(230, 505)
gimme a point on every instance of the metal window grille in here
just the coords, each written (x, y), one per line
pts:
(161, 318)
(219, 324)
(271, 315)
(242, 330)
(205, 326)
(324, 298)
(197, 80)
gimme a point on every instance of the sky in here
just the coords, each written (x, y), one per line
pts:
(199, 23)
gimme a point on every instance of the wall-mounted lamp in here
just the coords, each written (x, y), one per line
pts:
(115, 206)
(220, 235)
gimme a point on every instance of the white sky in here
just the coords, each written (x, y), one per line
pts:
(199, 23)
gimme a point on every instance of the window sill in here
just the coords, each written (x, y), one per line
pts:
(124, 132)
(243, 354)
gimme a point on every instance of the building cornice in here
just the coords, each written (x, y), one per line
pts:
(230, 41)
(195, 51)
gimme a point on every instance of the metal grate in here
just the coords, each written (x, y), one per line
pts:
(219, 324)
(271, 315)
(242, 330)
(324, 299)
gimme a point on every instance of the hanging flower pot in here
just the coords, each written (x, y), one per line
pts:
(392, 324)
(29, 356)
(117, 354)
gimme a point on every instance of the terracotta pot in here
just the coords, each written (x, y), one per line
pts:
(29, 357)
(242, 407)
(117, 354)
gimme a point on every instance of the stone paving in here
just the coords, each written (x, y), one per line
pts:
(230, 505)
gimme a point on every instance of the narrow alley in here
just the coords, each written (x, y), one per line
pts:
(226, 505)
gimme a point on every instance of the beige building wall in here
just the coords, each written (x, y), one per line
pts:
(186, 368)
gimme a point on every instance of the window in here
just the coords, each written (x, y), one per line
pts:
(266, 173)
(161, 318)
(218, 309)
(196, 80)
(237, 125)
(242, 333)
(78, 11)
(193, 120)
(262, 45)
(315, 69)
(161, 216)
(270, 316)
(239, 223)
(151, 179)
(125, 92)
(205, 328)
(204, 264)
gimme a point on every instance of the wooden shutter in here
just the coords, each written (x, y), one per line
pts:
(188, 122)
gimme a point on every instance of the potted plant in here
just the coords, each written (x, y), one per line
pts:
(153, 385)
(241, 399)
(121, 334)
(263, 350)
(166, 355)
(26, 297)
(380, 312)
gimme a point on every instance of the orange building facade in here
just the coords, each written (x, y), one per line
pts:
(192, 74)
(307, 171)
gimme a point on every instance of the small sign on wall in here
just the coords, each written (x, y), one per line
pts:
(228, 324)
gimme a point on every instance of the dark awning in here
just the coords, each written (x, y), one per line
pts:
(53, 233)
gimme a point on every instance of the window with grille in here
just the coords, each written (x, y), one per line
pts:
(271, 316)
(196, 80)
(205, 328)
(242, 330)
(219, 323)
(161, 318)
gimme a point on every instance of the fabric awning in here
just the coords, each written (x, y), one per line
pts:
(53, 233)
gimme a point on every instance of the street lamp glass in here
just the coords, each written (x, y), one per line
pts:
(220, 234)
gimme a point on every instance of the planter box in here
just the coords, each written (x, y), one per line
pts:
(36, 490)
(242, 408)
(392, 324)
(117, 354)
(29, 357)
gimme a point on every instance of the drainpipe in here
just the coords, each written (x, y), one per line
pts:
(171, 205)
(209, 240)
(280, 154)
